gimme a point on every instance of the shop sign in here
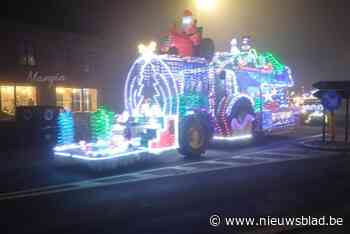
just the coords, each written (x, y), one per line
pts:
(37, 77)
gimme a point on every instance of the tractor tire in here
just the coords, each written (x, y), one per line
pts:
(194, 136)
(241, 110)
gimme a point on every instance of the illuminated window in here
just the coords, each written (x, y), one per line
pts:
(64, 98)
(93, 94)
(89, 100)
(25, 96)
(77, 100)
(7, 99)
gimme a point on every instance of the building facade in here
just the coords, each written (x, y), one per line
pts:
(40, 67)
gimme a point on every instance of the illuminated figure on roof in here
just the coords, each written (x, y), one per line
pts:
(187, 41)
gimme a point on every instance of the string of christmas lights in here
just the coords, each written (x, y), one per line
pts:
(101, 123)
(65, 124)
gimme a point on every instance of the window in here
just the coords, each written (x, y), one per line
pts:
(25, 96)
(12, 96)
(64, 98)
(93, 95)
(90, 100)
(7, 99)
(77, 100)
(27, 54)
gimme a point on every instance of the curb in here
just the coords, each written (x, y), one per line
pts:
(308, 144)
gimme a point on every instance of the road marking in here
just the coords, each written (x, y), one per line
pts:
(308, 137)
(258, 152)
(284, 154)
(255, 160)
(185, 169)
(232, 164)
(99, 182)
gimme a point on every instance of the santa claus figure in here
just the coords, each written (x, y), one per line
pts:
(189, 27)
(188, 39)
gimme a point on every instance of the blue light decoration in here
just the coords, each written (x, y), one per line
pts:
(65, 124)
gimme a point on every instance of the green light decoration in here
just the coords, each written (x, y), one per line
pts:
(102, 122)
(277, 65)
(252, 58)
(191, 101)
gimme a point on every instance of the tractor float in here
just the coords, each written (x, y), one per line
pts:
(177, 99)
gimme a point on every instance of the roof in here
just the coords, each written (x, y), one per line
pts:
(341, 87)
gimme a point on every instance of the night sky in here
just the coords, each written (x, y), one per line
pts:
(311, 36)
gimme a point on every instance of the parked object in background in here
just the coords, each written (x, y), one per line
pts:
(332, 93)
(311, 108)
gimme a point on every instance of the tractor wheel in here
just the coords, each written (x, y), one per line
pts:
(240, 113)
(194, 136)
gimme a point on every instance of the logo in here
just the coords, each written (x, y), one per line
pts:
(37, 77)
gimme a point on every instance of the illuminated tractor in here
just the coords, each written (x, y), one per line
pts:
(238, 95)
(187, 41)
(185, 102)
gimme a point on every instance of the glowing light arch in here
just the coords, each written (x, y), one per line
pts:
(154, 68)
(233, 101)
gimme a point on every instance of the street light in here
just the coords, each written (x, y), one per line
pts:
(205, 5)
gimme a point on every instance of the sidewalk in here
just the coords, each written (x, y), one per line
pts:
(337, 145)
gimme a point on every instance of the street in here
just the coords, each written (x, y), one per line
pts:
(273, 177)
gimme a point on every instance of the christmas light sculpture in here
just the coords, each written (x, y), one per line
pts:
(191, 101)
(151, 71)
(65, 132)
(270, 58)
(229, 98)
(101, 123)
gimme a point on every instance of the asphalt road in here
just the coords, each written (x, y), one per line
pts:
(170, 194)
